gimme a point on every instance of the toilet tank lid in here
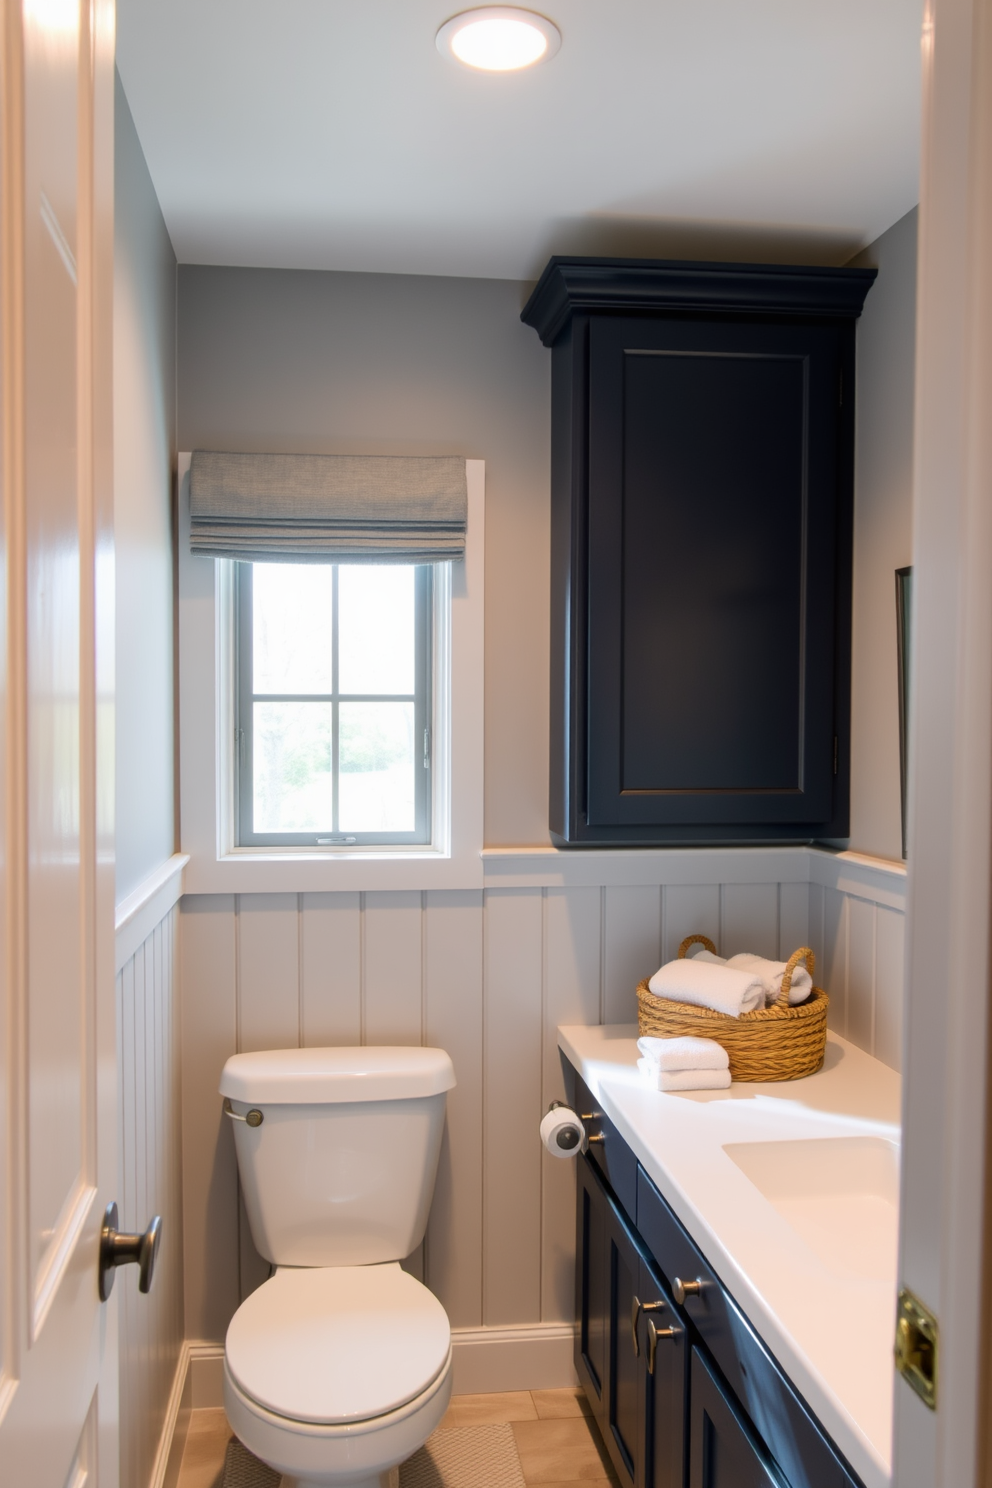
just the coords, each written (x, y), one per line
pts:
(307, 1077)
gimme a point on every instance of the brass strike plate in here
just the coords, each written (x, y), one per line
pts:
(916, 1347)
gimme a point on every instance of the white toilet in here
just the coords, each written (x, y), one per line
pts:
(339, 1366)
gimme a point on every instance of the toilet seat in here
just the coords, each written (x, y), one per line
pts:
(336, 1345)
(337, 1455)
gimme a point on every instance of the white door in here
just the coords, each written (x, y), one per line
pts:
(944, 1212)
(58, 1388)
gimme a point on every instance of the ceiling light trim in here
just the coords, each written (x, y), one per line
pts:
(447, 34)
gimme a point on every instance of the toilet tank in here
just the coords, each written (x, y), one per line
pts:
(340, 1170)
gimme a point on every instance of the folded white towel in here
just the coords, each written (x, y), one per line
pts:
(702, 954)
(687, 1079)
(771, 973)
(725, 989)
(684, 1053)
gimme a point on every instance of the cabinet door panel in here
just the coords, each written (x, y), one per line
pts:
(592, 1288)
(713, 527)
(665, 1387)
(626, 1408)
(723, 1453)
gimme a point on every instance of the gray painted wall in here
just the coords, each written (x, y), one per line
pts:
(883, 515)
(381, 363)
(387, 364)
(144, 462)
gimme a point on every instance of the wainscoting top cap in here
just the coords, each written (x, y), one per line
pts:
(658, 285)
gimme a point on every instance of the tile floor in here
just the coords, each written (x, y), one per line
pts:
(558, 1444)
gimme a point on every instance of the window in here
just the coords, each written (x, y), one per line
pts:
(215, 832)
(333, 704)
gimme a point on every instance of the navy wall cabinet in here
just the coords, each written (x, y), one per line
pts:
(702, 468)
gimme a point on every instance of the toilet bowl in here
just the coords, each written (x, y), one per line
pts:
(336, 1375)
(338, 1367)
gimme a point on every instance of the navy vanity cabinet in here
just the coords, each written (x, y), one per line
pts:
(701, 529)
(707, 1406)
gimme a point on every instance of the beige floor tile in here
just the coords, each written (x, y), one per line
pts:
(583, 1483)
(551, 1404)
(489, 1410)
(560, 1451)
(203, 1454)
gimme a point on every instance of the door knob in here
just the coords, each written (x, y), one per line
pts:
(654, 1333)
(121, 1249)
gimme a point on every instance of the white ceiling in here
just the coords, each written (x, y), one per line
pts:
(319, 134)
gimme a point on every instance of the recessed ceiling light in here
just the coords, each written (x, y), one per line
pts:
(498, 38)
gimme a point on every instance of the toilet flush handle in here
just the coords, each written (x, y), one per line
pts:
(253, 1118)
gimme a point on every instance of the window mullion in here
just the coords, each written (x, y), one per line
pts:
(335, 689)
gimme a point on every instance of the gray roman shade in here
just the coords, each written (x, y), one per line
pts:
(328, 508)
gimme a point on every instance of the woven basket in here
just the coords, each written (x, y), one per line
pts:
(773, 1043)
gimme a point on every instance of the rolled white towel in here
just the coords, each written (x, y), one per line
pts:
(686, 1079)
(725, 989)
(702, 954)
(684, 1053)
(771, 973)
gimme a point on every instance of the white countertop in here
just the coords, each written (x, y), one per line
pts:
(829, 1328)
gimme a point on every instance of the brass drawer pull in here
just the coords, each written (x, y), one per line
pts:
(636, 1308)
(654, 1334)
(683, 1289)
(595, 1136)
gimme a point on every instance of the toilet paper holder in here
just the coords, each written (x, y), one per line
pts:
(563, 1132)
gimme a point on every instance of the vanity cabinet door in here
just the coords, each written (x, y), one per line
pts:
(723, 1451)
(665, 1382)
(625, 1405)
(591, 1289)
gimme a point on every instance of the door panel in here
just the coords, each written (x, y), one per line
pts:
(57, 1064)
(713, 517)
(666, 1386)
(60, 1179)
(626, 1410)
(723, 1452)
(592, 1285)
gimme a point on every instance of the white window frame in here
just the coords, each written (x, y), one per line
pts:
(217, 865)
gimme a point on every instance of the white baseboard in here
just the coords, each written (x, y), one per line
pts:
(206, 1369)
(489, 1360)
(169, 1456)
(486, 1361)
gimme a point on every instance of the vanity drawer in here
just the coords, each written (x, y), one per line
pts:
(607, 1148)
(807, 1457)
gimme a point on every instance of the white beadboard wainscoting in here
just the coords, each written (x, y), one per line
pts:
(488, 975)
(151, 1328)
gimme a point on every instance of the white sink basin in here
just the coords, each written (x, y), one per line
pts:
(839, 1194)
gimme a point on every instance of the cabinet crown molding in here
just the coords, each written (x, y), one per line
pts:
(650, 285)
